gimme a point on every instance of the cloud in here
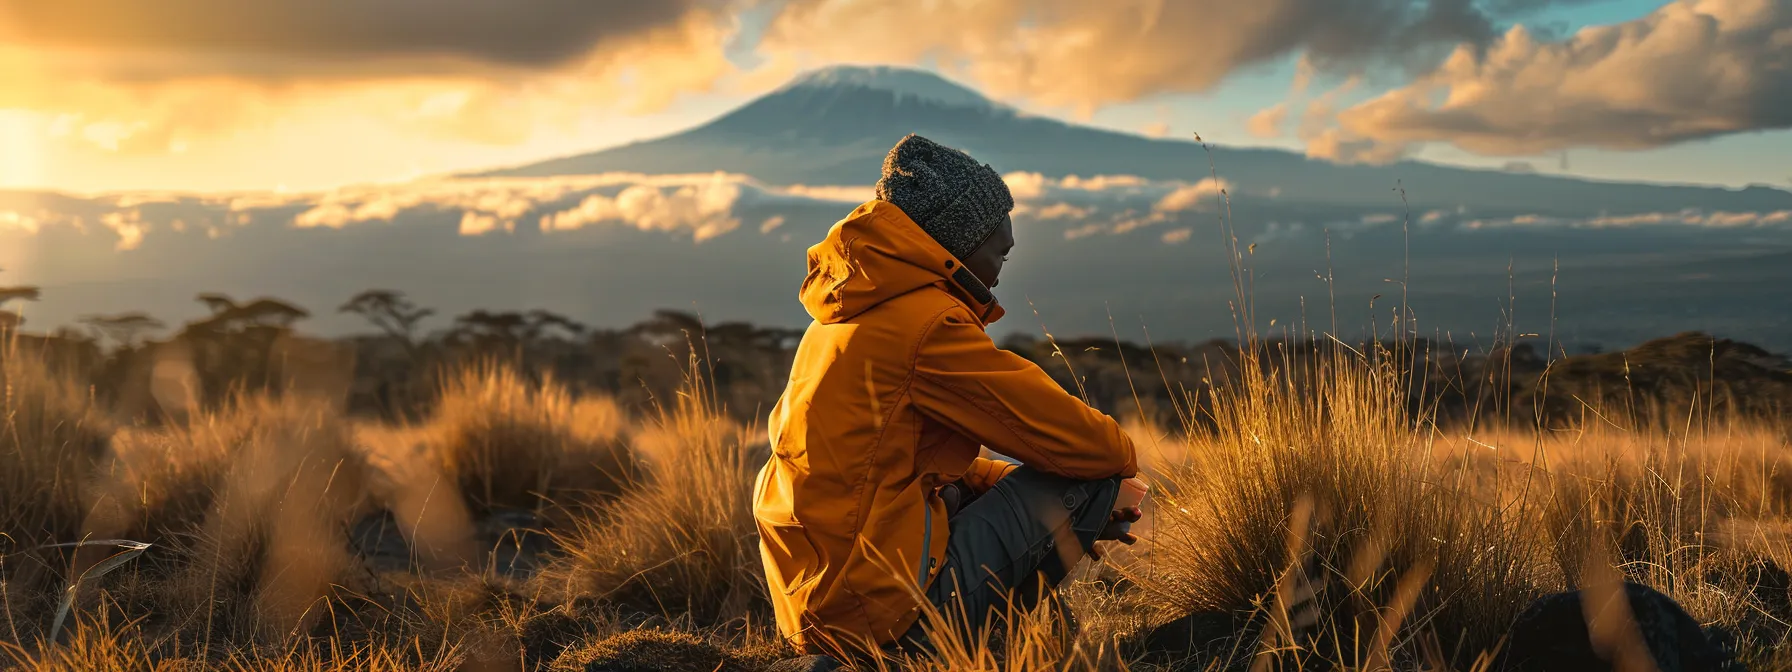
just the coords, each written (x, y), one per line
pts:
(17, 221)
(1029, 186)
(841, 193)
(700, 206)
(126, 77)
(1187, 197)
(1060, 210)
(1178, 236)
(1039, 49)
(1134, 202)
(704, 209)
(1268, 123)
(503, 199)
(1025, 186)
(128, 225)
(1691, 69)
(1688, 218)
(325, 36)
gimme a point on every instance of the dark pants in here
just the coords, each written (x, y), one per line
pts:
(1011, 545)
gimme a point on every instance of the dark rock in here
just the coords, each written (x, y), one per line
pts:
(547, 635)
(1771, 585)
(806, 664)
(1190, 634)
(517, 540)
(1552, 635)
(377, 539)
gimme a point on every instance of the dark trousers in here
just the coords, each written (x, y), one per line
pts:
(1013, 544)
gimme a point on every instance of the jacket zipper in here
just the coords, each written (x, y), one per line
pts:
(926, 541)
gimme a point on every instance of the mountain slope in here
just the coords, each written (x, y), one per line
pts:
(833, 126)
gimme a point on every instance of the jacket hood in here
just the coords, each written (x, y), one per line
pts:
(876, 254)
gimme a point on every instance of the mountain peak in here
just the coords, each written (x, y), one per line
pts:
(905, 83)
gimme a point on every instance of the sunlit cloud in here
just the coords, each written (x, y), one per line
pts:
(1041, 50)
(840, 193)
(113, 82)
(1268, 123)
(1132, 202)
(1683, 218)
(704, 207)
(14, 221)
(111, 76)
(1189, 196)
(1691, 69)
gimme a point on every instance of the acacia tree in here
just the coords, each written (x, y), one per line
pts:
(232, 347)
(19, 293)
(510, 329)
(125, 329)
(391, 312)
(9, 320)
(263, 313)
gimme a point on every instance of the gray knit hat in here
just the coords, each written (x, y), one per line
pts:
(956, 200)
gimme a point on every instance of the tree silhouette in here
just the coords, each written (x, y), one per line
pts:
(668, 327)
(391, 312)
(538, 323)
(232, 349)
(125, 329)
(509, 328)
(218, 303)
(230, 316)
(20, 293)
(10, 321)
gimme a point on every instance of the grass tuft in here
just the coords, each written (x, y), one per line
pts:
(685, 543)
(51, 440)
(511, 443)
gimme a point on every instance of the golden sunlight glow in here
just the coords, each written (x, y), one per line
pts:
(21, 148)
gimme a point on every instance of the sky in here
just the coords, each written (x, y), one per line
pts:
(218, 95)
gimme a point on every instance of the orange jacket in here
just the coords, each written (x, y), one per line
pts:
(894, 387)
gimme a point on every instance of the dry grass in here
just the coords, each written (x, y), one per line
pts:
(1418, 545)
(50, 442)
(685, 543)
(1411, 545)
(1329, 488)
(508, 443)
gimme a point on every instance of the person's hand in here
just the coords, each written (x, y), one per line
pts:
(1119, 528)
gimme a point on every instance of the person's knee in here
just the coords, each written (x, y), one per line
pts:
(1093, 513)
(1058, 501)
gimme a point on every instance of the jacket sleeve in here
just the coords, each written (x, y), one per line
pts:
(984, 473)
(1010, 405)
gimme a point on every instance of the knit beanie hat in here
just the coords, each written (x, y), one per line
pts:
(956, 200)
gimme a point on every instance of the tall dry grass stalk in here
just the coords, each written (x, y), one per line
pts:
(511, 443)
(50, 441)
(275, 534)
(684, 544)
(1700, 514)
(1318, 487)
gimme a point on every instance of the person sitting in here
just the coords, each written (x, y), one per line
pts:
(894, 389)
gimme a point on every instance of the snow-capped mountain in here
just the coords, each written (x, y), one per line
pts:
(833, 126)
(1112, 226)
(907, 84)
